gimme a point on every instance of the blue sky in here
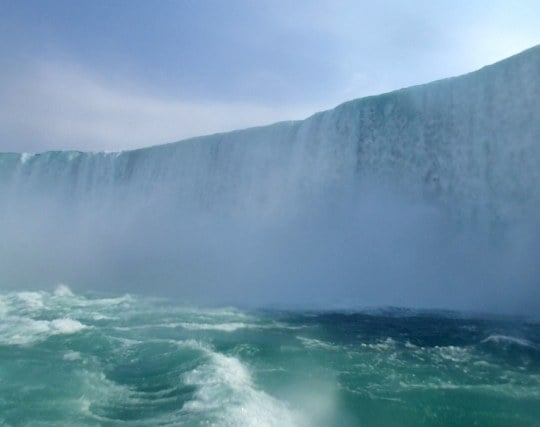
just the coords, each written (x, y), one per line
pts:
(111, 75)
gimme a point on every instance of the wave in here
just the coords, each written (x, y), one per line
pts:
(63, 291)
(223, 327)
(383, 345)
(17, 330)
(507, 390)
(225, 389)
(311, 343)
(509, 340)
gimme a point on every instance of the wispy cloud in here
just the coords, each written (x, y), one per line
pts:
(60, 106)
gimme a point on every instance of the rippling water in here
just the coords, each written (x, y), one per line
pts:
(69, 359)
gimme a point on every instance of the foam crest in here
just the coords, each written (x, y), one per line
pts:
(508, 340)
(315, 343)
(72, 356)
(453, 353)
(16, 330)
(223, 327)
(66, 326)
(383, 345)
(32, 300)
(226, 390)
(63, 291)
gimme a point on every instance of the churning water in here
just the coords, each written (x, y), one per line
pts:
(87, 360)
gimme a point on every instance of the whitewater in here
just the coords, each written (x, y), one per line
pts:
(99, 360)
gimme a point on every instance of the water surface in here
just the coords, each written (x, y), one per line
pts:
(88, 360)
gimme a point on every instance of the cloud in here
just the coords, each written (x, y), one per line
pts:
(60, 106)
(104, 78)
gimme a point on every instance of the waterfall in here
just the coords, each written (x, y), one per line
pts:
(467, 148)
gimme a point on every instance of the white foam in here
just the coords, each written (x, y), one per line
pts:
(224, 327)
(63, 291)
(387, 344)
(16, 330)
(453, 353)
(281, 325)
(32, 300)
(314, 343)
(225, 391)
(484, 364)
(72, 356)
(124, 299)
(99, 316)
(505, 339)
(66, 326)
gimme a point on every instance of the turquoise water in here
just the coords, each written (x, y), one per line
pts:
(77, 360)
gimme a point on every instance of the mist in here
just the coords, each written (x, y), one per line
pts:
(346, 246)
